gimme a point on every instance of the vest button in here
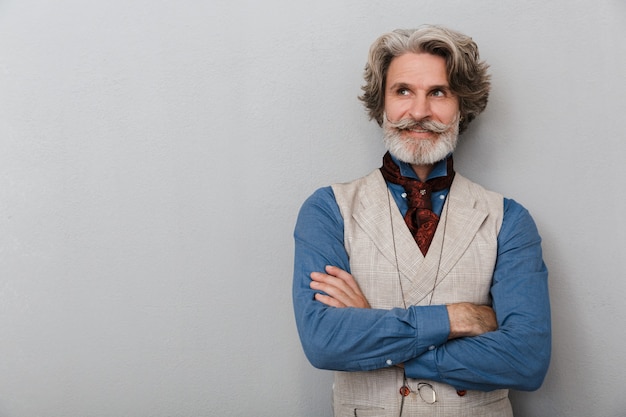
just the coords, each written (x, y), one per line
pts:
(461, 392)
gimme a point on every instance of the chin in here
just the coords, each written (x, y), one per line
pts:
(420, 152)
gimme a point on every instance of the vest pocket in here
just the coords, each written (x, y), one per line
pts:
(360, 411)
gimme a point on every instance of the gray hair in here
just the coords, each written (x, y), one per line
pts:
(467, 74)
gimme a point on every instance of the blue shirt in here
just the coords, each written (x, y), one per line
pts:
(515, 356)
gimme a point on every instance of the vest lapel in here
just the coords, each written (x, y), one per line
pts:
(372, 215)
(460, 221)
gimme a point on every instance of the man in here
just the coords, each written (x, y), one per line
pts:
(424, 291)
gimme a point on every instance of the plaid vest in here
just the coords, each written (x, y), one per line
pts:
(458, 266)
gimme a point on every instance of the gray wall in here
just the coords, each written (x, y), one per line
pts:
(154, 155)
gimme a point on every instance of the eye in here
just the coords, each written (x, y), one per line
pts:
(438, 93)
(403, 92)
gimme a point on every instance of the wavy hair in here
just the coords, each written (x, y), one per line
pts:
(467, 74)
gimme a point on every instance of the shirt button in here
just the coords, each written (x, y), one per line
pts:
(389, 362)
(431, 347)
(403, 195)
(442, 197)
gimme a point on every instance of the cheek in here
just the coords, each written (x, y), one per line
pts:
(446, 114)
(394, 110)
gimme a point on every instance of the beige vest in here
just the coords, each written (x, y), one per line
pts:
(458, 267)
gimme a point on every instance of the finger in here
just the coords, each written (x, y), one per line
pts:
(321, 277)
(339, 289)
(344, 276)
(337, 292)
(329, 301)
(331, 282)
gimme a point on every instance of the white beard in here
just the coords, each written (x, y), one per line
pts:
(420, 151)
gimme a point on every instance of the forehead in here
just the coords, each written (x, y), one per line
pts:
(421, 69)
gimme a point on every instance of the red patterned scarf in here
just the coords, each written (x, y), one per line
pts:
(420, 218)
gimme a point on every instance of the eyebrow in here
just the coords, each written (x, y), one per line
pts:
(399, 85)
(396, 86)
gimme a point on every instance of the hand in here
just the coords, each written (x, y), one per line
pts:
(467, 319)
(340, 288)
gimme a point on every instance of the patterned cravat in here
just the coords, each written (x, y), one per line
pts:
(420, 218)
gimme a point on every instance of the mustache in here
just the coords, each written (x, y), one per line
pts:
(430, 125)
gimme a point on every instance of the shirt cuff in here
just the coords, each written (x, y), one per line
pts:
(433, 327)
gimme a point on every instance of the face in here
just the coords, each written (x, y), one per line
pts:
(421, 121)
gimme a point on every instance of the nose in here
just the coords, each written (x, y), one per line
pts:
(420, 108)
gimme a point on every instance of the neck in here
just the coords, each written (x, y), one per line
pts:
(422, 171)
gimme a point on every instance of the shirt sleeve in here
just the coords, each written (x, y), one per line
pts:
(517, 354)
(351, 339)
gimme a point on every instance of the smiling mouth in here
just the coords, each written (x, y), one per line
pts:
(419, 131)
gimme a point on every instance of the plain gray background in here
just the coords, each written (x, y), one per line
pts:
(154, 155)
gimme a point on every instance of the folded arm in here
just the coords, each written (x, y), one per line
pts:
(427, 340)
(517, 355)
(341, 290)
(351, 339)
